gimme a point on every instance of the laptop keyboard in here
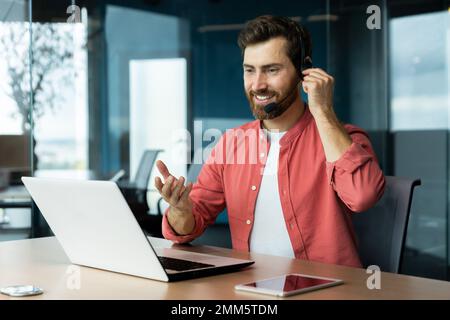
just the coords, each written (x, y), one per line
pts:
(181, 265)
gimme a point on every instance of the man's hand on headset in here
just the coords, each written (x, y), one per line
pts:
(318, 85)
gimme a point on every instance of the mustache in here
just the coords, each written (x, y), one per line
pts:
(262, 93)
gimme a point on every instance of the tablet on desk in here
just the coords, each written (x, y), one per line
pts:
(288, 285)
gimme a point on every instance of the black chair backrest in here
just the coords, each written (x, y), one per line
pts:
(381, 231)
(145, 168)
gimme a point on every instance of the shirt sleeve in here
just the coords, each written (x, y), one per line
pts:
(356, 176)
(207, 197)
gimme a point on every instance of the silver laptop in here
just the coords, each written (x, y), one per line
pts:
(96, 228)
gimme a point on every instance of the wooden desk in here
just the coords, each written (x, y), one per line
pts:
(43, 262)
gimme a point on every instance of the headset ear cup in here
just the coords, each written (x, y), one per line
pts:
(307, 63)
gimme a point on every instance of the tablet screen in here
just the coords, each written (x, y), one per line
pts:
(289, 282)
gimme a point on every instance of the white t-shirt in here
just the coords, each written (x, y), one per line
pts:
(269, 233)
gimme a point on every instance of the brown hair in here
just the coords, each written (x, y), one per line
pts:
(267, 27)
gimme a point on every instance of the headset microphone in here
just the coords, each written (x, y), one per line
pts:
(270, 107)
(274, 105)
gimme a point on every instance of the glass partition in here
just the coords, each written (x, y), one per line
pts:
(59, 96)
(419, 42)
(392, 79)
(16, 144)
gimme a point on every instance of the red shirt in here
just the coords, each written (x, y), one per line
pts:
(317, 197)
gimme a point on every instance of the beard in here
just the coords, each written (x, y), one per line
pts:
(258, 109)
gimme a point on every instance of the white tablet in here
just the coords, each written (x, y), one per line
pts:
(288, 285)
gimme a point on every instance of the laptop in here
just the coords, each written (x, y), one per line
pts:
(96, 228)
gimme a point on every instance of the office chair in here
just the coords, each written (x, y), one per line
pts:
(381, 231)
(135, 193)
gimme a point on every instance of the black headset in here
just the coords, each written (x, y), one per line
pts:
(305, 60)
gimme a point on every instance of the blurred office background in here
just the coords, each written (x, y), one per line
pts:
(87, 86)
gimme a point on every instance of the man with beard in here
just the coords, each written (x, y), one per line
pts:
(312, 172)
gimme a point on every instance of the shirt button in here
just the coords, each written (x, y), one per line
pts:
(262, 155)
(253, 188)
(249, 222)
(292, 226)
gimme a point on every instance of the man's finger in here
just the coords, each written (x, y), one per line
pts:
(186, 192)
(182, 188)
(176, 191)
(318, 70)
(308, 85)
(167, 189)
(311, 78)
(315, 75)
(163, 169)
(158, 184)
(321, 71)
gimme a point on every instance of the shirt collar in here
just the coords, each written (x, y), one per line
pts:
(296, 130)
